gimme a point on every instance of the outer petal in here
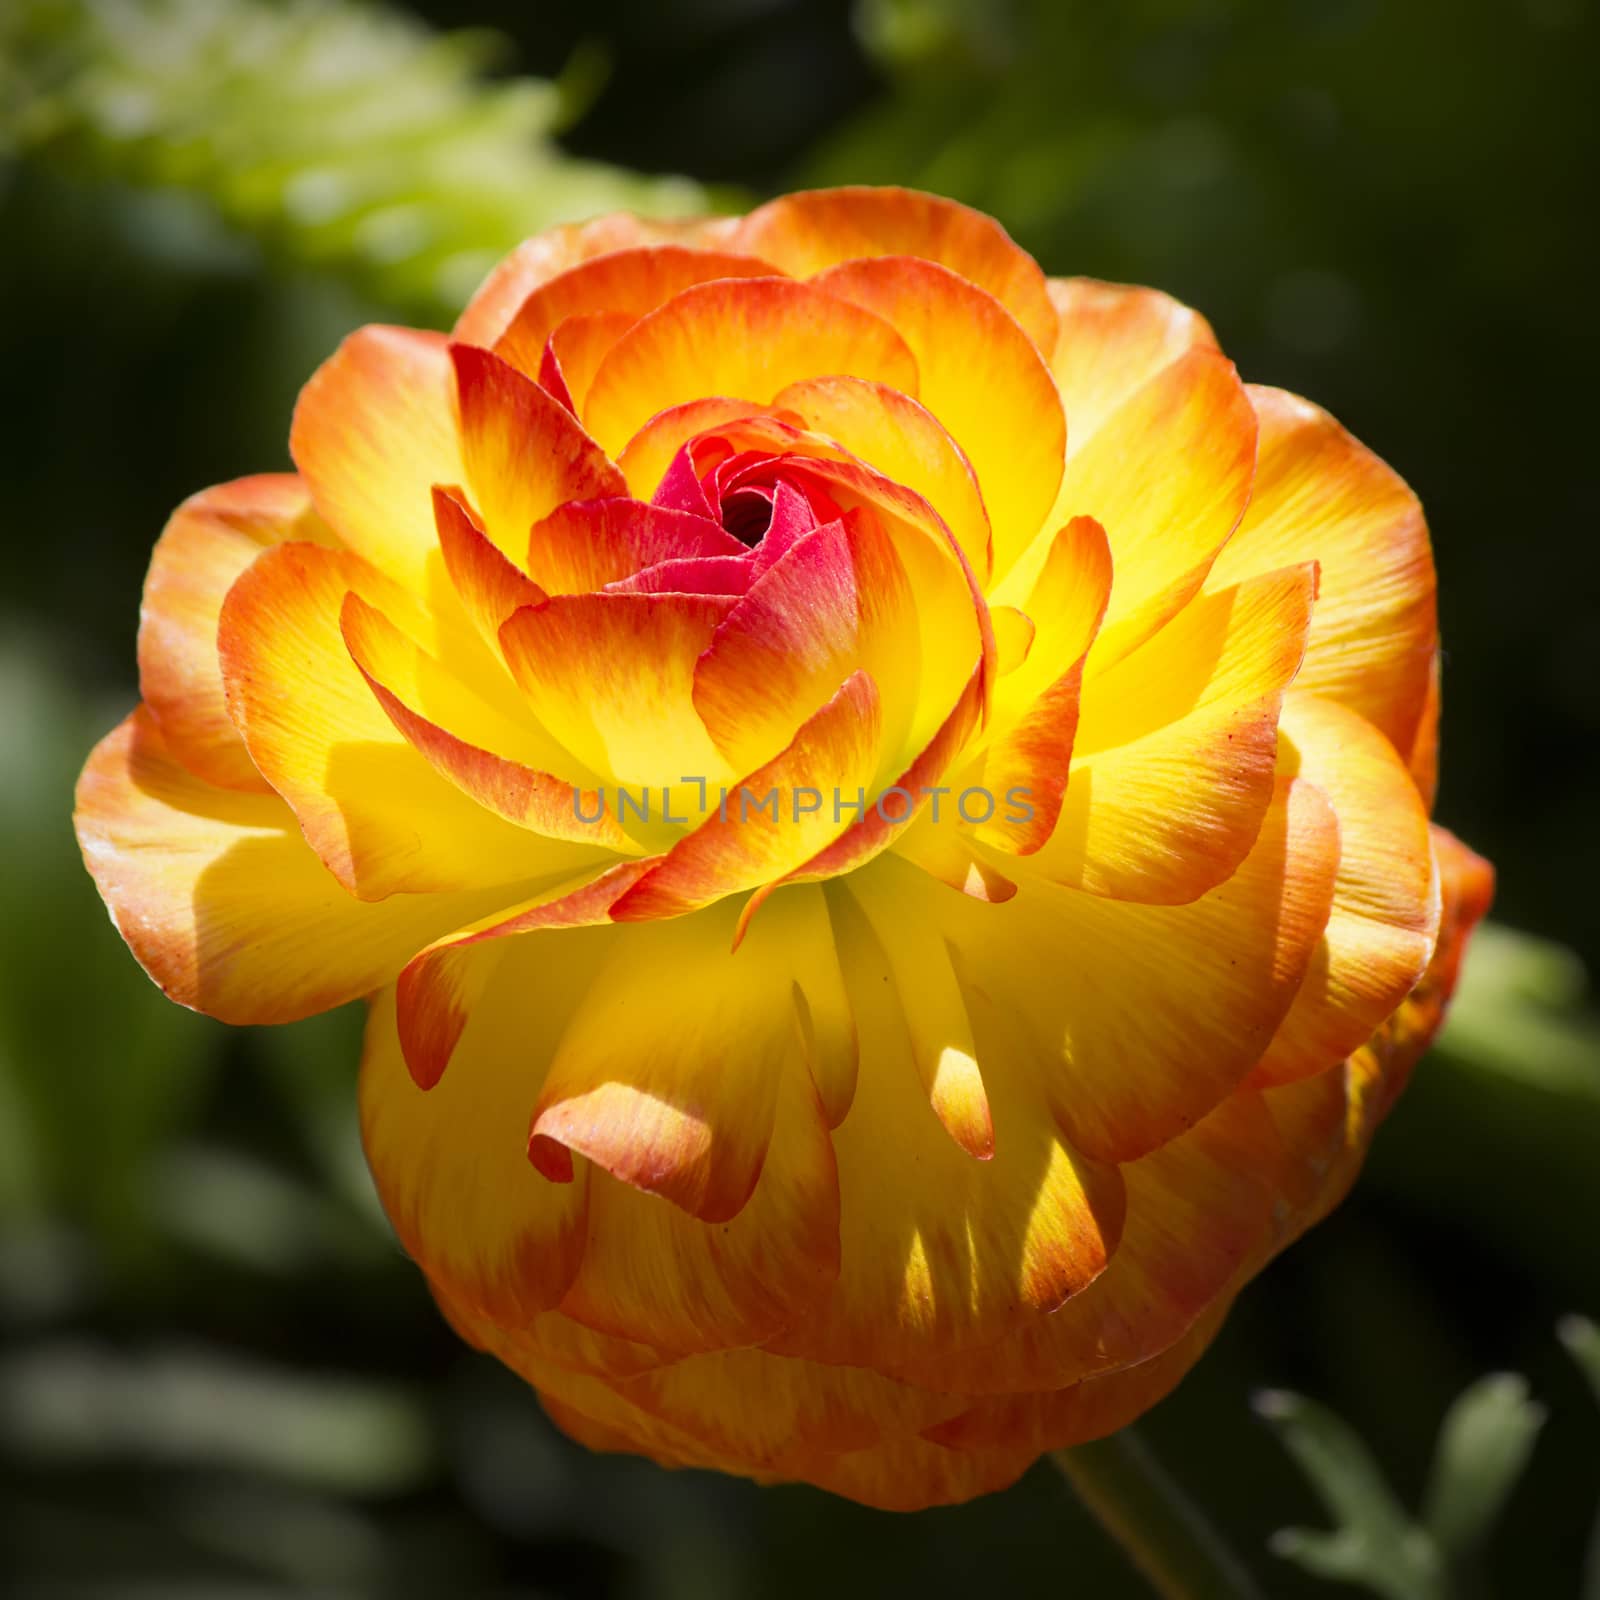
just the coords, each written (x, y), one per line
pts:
(220, 898)
(547, 255)
(1168, 477)
(1319, 495)
(629, 282)
(373, 431)
(370, 805)
(806, 233)
(982, 377)
(667, 1076)
(523, 452)
(1199, 1210)
(954, 1252)
(654, 1273)
(1127, 1066)
(1114, 339)
(1385, 917)
(212, 537)
(450, 1163)
(1174, 765)
(743, 338)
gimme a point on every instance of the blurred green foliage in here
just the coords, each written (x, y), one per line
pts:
(346, 136)
(217, 1373)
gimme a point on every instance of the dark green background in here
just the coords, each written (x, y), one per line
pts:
(218, 1375)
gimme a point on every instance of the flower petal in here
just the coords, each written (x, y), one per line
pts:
(221, 900)
(900, 438)
(212, 537)
(370, 805)
(667, 1075)
(743, 338)
(1319, 495)
(537, 261)
(1168, 477)
(1385, 916)
(1175, 759)
(941, 1252)
(612, 676)
(744, 845)
(587, 544)
(984, 380)
(1035, 717)
(505, 766)
(1114, 339)
(1126, 1066)
(450, 1163)
(373, 431)
(655, 1273)
(626, 283)
(523, 451)
(808, 232)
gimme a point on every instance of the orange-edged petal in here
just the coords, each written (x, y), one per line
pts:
(587, 544)
(1168, 477)
(1176, 751)
(211, 538)
(450, 1164)
(655, 1273)
(941, 1252)
(1319, 495)
(612, 677)
(441, 984)
(776, 818)
(488, 585)
(667, 1075)
(808, 232)
(573, 353)
(523, 451)
(220, 898)
(1199, 1209)
(743, 338)
(1114, 338)
(982, 377)
(1091, 1409)
(373, 431)
(537, 261)
(503, 765)
(370, 805)
(624, 283)
(1127, 1066)
(1035, 717)
(1385, 917)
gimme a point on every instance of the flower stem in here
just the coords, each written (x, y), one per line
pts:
(1159, 1529)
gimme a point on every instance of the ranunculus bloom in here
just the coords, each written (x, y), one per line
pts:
(882, 1140)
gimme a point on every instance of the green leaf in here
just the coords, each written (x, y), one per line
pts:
(1375, 1544)
(1582, 1339)
(1484, 1444)
(344, 137)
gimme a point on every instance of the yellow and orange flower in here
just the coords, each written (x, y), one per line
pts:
(880, 801)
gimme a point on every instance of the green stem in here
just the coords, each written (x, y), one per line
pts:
(1159, 1530)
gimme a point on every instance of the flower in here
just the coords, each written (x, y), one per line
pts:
(880, 800)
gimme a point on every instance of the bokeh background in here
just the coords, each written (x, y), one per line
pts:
(218, 1376)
